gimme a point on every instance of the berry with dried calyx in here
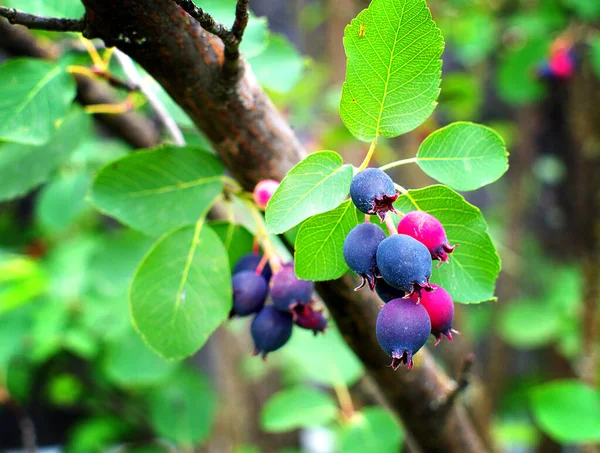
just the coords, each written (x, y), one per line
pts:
(287, 290)
(307, 317)
(404, 263)
(360, 250)
(270, 330)
(440, 307)
(428, 230)
(402, 328)
(373, 192)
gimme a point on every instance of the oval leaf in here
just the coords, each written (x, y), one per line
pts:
(372, 429)
(295, 408)
(316, 184)
(182, 291)
(393, 71)
(568, 411)
(465, 156)
(320, 241)
(158, 190)
(471, 273)
(36, 96)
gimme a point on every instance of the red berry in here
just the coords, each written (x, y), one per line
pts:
(428, 230)
(263, 192)
(440, 307)
(307, 317)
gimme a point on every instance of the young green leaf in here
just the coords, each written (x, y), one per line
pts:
(568, 411)
(158, 190)
(295, 408)
(373, 429)
(36, 97)
(279, 67)
(237, 240)
(320, 241)
(393, 71)
(24, 167)
(181, 291)
(318, 183)
(465, 156)
(471, 273)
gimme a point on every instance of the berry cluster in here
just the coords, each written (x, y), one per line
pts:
(398, 268)
(292, 300)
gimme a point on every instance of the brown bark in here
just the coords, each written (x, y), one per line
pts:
(255, 142)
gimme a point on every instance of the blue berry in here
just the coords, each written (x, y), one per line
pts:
(404, 263)
(373, 192)
(250, 262)
(287, 290)
(249, 293)
(402, 329)
(270, 330)
(360, 250)
(386, 292)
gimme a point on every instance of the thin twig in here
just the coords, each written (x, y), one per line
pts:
(231, 38)
(34, 22)
(135, 78)
(462, 383)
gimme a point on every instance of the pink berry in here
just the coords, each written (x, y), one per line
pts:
(440, 308)
(263, 192)
(428, 231)
(561, 64)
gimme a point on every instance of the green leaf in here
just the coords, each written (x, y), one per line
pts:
(373, 429)
(326, 359)
(36, 97)
(237, 240)
(465, 156)
(62, 201)
(158, 190)
(70, 9)
(393, 71)
(518, 82)
(181, 291)
(471, 274)
(568, 411)
(515, 326)
(317, 184)
(184, 410)
(295, 408)
(24, 167)
(595, 55)
(320, 241)
(128, 362)
(279, 67)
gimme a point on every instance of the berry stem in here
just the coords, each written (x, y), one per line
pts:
(398, 163)
(262, 236)
(389, 222)
(400, 189)
(365, 163)
(367, 218)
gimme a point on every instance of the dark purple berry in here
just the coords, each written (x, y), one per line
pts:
(287, 290)
(360, 250)
(440, 307)
(428, 230)
(373, 192)
(402, 329)
(250, 262)
(307, 317)
(404, 263)
(249, 293)
(386, 292)
(270, 330)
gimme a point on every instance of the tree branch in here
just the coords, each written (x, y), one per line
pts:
(232, 70)
(34, 22)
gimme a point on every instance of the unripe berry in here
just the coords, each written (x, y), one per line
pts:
(562, 64)
(402, 329)
(287, 290)
(373, 192)
(270, 330)
(404, 263)
(249, 293)
(440, 307)
(360, 250)
(387, 292)
(428, 230)
(307, 317)
(263, 192)
(250, 262)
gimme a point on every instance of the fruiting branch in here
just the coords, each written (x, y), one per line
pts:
(231, 38)
(34, 22)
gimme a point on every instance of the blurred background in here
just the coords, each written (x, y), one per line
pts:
(74, 375)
